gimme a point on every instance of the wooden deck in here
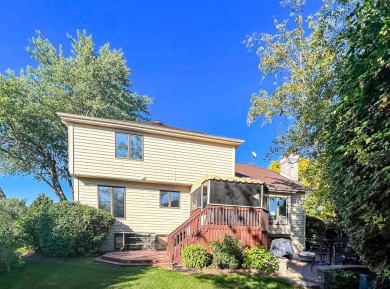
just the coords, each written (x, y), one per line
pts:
(137, 258)
(248, 224)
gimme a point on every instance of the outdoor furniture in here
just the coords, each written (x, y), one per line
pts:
(337, 253)
(306, 256)
(132, 240)
(344, 254)
(350, 256)
(282, 247)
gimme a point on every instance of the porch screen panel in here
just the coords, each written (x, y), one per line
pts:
(195, 199)
(237, 194)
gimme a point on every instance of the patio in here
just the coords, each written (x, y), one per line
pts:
(137, 258)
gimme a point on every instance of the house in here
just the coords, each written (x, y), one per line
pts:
(182, 185)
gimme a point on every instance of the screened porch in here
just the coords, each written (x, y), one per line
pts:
(222, 206)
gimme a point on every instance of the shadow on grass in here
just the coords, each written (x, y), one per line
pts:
(87, 274)
(72, 273)
(245, 280)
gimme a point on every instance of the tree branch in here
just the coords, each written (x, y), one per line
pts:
(2, 195)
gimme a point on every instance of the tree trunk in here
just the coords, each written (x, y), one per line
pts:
(2, 195)
(69, 179)
(56, 185)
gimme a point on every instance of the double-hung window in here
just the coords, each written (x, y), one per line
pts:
(278, 210)
(129, 146)
(112, 200)
(169, 199)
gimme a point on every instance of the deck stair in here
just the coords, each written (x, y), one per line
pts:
(137, 258)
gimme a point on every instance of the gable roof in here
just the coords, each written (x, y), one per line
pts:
(273, 180)
(147, 127)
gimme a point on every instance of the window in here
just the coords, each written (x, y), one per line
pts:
(129, 146)
(169, 199)
(278, 210)
(112, 200)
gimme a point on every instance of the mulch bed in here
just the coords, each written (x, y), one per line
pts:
(217, 271)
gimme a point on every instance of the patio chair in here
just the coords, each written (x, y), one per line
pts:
(321, 252)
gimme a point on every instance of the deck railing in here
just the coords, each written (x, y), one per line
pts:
(248, 224)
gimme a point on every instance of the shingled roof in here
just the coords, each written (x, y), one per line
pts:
(273, 180)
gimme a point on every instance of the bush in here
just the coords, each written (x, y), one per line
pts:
(261, 259)
(228, 253)
(340, 279)
(36, 223)
(195, 256)
(9, 260)
(10, 211)
(64, 229)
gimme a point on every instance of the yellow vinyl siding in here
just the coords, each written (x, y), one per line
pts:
(142, 207)
(296, 216)
(166, 159)
(70, 148)
(298, 221)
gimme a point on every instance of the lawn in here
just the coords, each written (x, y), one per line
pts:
(86, 273)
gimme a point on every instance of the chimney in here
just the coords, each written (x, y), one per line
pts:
(289, 166)
(157, 122)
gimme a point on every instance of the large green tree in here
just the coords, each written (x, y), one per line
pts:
(87, 82)
(299, 60)
(332, 85)
(358, 137)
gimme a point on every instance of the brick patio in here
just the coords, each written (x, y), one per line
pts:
(137, 258)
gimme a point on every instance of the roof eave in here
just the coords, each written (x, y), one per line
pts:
(290, 191)
(69, 119)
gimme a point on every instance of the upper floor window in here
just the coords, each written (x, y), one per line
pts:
(278, 210)
(169, 199)
(112, 200)
(129, 146)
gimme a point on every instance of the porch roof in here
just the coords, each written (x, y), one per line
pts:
(226, 179)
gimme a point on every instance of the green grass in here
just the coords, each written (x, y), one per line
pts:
(86, 273)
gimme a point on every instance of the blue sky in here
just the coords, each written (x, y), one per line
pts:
(188, 56)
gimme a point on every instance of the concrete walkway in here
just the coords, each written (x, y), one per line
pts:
(299, 272)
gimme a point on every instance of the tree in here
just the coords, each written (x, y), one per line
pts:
(300, 60)
(300, 64)
(275, 166)
(338, 113)
(359, 135)
(88, 82)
